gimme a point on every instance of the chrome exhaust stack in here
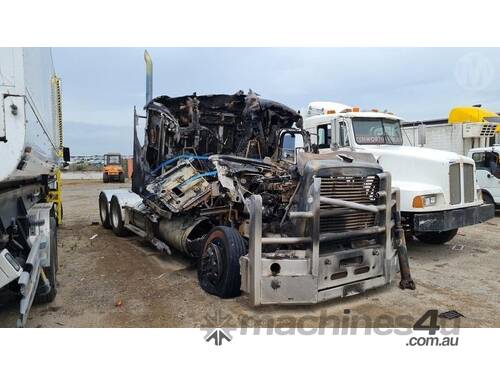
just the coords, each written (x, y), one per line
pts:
(149, 77)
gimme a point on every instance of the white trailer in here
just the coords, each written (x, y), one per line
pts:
(30, 191)
(469, 131)
(464, 129)
(439, 193)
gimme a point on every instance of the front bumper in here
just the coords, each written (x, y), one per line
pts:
(340, 274)
(452, 219)
(317, 271)
(112, 176)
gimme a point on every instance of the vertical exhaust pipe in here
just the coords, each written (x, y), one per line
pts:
(149, 77)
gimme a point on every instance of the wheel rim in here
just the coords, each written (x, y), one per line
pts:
(114, 216)
(212, 262)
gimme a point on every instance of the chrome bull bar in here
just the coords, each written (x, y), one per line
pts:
(310, 276)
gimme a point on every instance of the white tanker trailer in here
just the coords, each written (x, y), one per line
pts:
(31, 151)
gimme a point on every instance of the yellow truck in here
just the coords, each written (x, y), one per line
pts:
(113, 170)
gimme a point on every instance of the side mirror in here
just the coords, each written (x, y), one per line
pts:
(66, 154)
(335, 134)
(421, 134)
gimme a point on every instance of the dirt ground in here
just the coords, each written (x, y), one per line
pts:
(122, 282)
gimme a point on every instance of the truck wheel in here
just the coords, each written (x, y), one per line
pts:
(105, 178)
(487, 198)
(116, 219)
(219, 265)
(51, 271)
(104, 211)
(122, 178)
(436, 238)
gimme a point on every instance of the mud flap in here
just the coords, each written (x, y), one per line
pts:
(28, 282)
(404, 264)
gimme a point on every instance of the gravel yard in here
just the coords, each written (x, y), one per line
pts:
(122, 282)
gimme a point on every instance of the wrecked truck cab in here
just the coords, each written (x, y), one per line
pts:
(343, 237)
(232, 181)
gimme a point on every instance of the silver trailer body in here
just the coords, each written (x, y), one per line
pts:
(30, 193)
(29, 126)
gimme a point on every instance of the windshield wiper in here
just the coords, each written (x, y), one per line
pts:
(386, 137)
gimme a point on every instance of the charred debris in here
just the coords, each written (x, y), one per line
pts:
(233, 181)
(204, 155)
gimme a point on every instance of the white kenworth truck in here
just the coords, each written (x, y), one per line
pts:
(31, 152)
(439, 193)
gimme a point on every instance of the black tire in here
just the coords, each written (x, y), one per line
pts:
(104, 211)
(51, 271)
(116, 219)
(105, 178)
(436, 238)
(219, 264)
(122, 178)
(487, 198)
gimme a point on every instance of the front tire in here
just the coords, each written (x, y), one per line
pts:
(219, 265)
(105, 178)
(436, 238)
(487, 198)
(117, 223)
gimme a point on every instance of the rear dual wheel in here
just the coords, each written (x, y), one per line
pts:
(111, 215)
(104, 211)
(116, 219)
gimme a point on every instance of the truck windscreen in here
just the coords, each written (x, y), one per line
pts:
(113, 159)
(376, 131)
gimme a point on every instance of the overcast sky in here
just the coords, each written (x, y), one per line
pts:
(102, 85)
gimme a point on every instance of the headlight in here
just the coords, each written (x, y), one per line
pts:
(421, 201)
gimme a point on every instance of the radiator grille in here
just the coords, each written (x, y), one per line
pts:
(455, 183)
(355, 189)
(468, 183)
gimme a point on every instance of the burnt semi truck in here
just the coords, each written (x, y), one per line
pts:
(31, 145)
(232, 181)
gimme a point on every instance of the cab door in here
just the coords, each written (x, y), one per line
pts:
(485, 178)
